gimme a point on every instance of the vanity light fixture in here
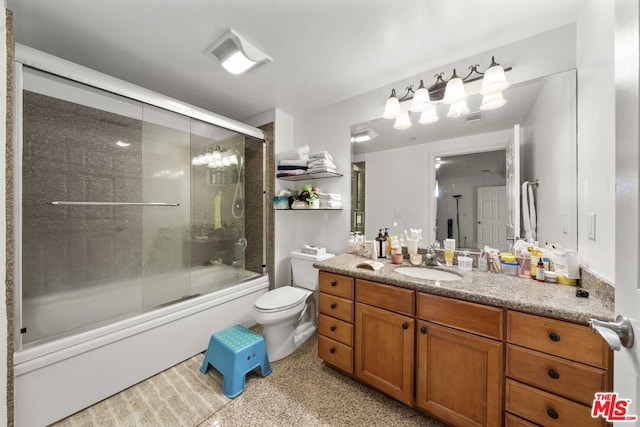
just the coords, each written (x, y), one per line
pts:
(236, 54)
(215, 158)
(451, 91)
(363, 135)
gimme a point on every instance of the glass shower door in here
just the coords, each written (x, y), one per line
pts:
(165, 179)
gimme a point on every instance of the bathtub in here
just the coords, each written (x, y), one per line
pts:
(55, 378)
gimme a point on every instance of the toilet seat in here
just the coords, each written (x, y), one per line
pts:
(281, 299)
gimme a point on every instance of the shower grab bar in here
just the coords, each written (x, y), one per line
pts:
(64, 203)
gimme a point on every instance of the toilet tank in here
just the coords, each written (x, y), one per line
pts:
(304, 274)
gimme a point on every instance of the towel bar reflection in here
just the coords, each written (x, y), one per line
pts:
(65, 203)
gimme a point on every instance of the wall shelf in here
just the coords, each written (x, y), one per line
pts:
(318, 209)
(305, 176)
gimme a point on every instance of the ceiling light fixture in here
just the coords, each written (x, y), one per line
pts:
(452, 92)
(363, 135)
(236, 54)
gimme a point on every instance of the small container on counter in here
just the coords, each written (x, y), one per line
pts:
(483, 265)
(524, 266)
(396, 259)
(465, 263)
(551, 276)
(509, 268)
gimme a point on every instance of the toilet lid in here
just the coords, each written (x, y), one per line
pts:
(281, 298)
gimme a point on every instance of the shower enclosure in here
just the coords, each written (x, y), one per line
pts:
(126, 213)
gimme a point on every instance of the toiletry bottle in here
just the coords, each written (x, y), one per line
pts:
(386, 236)
(351, 243)
(540, 270)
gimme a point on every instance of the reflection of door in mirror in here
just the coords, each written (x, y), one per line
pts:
(492, 217)
(357, 197)
(457, 217)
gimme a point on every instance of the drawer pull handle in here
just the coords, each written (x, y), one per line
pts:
(405, 325)
(553, 414)
(333, 328)
(423, 330)
(334, 283)
(334, 305)
(554, 337)
(554, 374)
(332, 350)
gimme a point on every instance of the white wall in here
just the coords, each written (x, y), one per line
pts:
(550, 127)
(3, 217)
(596, 135)
(328, 128)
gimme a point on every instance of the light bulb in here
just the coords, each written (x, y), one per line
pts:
(392, 107)
(209, 155)
(458, 109)
(494, 80)
(421, 99)
(403, 121)
(492, 101)
(430, 115)
(454, 91)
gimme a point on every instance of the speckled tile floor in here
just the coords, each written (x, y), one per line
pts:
(302, 391)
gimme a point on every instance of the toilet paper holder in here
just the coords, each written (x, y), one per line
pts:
(615, 333)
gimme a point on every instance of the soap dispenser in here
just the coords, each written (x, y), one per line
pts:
(382, 245)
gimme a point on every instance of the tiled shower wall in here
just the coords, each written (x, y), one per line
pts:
(70, 154)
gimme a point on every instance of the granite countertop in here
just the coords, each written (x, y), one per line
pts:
(521, 294)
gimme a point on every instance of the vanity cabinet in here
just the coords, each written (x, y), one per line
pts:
(335, 320)
(384, 338)
(459, 361)
(553, 369)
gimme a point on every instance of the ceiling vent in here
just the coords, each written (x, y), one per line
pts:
(473, 117)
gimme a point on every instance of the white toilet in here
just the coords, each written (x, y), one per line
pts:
(289, 313)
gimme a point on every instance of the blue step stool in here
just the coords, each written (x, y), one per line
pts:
(234, 352)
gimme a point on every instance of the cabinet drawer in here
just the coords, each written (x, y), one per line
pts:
(337, 307)
(545, 408)
(336, 284)
(564, 339)
(388, 297)
(513, 421)
(335, 353)
(467, 316)
(335, 329)
(566, 378)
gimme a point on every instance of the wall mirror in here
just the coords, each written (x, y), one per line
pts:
(401, 187)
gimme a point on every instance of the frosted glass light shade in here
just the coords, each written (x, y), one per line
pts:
(458, 109)
(492, 101)
(392, 108)
(429, 115)
(421, 100)
(454, 92)
(403, 121)
(494, 81)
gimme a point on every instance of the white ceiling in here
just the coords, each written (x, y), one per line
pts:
(323, 51)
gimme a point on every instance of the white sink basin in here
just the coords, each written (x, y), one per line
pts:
(428, 273)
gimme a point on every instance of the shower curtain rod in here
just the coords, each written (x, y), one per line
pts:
(64, 203)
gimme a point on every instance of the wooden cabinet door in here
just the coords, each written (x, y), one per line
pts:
(458, 376)
(384, 351)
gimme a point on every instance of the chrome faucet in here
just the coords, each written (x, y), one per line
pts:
(430, 258)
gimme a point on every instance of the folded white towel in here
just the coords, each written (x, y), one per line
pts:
(328, 204)
(321, 155)
(292, 172)
(329, 196)
(321, 169)
(294, 154)
(293, 162)
(321, 163)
